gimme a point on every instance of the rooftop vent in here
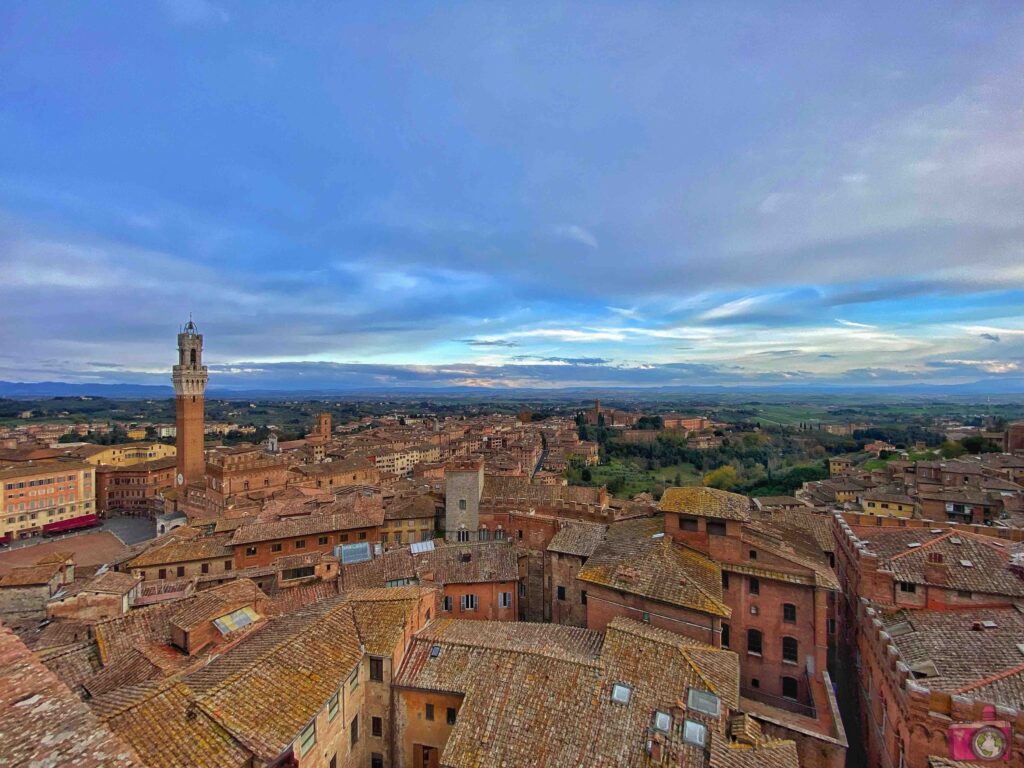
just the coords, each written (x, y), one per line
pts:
(956, 540)
(913, 545)
(966, 563)
(936, 530)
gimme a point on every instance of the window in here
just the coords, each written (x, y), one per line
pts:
(180, 570)
(520, 534)
(429, 714)
(522, 589)
(703, 701)
(435, 651)
(342, 537)
(561, 593)
(755, 586)
(250, 551)
(789, 613)
(334, 761)
(755, 683)
(716, 528)
(964, 594)
(162, 573)
(906, 586)
(468, 602)
(227, 565)
(300, 544)
(662, 721)
(463, 535)
(205, 567)
(583, 597)
(332, 707)
(322, 540)
(447, 606)
(753, 554)
(307, 738)
(790, 649)
(398, 537)
(362, 535)
(504, 599)
(789, 687)
(376, 760)
(621, 693)
(462, 505)
(694, 733)
(376, 727)
(353, 730)
(754, 640)
(687, 523)
(725, 635)
(376, 670)
(451, 715)
(725, 580)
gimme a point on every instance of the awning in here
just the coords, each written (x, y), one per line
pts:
(83, 521)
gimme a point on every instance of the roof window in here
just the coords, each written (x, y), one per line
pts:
(703, 701)
(435, 651)
(621, 693)
(662, 721)
(966, 563)
(695, 733)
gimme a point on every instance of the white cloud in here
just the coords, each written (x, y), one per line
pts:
(579, 234)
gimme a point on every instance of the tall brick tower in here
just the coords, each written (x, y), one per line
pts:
(189, 377)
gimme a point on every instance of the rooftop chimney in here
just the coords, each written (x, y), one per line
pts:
(935, 570)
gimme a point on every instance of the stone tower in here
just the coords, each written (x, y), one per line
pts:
(464, 485)
(189, 377)
(323, 424)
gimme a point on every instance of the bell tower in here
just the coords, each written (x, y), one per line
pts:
(189, 377)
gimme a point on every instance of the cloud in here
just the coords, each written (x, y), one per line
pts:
(489, 342)
(579, 234)
(989, 336)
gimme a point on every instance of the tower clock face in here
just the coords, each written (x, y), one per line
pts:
(181, 478)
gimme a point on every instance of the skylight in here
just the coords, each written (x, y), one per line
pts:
(695, 733)
(966, 563)
(703, 701)
(913, 545)
(662, 721)
(621, 693)
(435, 651)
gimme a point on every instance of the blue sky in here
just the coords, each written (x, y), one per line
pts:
(512, 194)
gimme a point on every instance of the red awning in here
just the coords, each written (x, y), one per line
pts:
(60, 526)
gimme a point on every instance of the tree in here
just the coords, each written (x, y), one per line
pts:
(950, 450)
(586, 475)
(723, 478)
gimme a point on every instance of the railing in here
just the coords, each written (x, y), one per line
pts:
(780, 702)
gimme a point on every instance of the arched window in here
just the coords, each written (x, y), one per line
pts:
(754, 641)
(192, 357)
(790, 649)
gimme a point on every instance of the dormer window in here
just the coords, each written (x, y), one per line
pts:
(621, 693)
(703, 701)
(695, 733)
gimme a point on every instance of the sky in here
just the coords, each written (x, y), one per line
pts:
(513, 195)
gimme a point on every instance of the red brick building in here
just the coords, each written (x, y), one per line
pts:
(134, 489)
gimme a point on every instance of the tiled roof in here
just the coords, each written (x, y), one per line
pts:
(706, 502)
(423, 505)
(803, 523)
(988, 561)
(985, 664)
(636, 557)
(793, 545)
(183, 548)
(44, 724)
(308, 525)
(577, 538)
(540, 694)
(112, 582)
(467, 563)
(30, 575)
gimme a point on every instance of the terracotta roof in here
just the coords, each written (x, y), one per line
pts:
(577, 538)
(954, 657)
(706, 502)
(636, 557)
(183, 545)
(112, 582)
(791, 544)
(30, 575)
(469, 563)
(44, 724)
(307, 525)
(540, 694)
(423, 505)
(972, 562)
